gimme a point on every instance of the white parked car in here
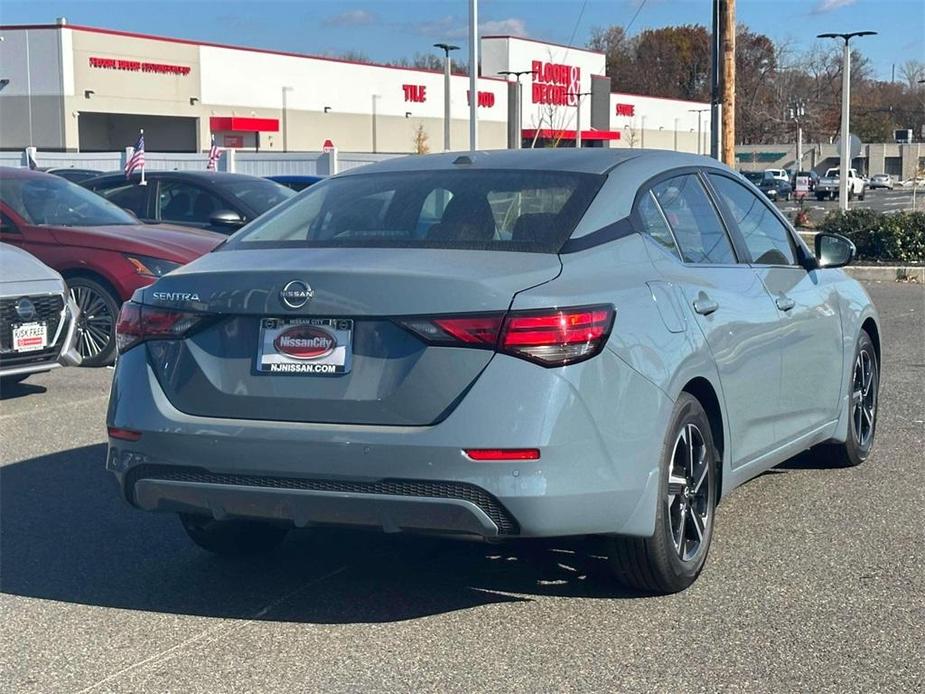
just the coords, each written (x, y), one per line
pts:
(881, 181)
(38, 318)
(780, 174)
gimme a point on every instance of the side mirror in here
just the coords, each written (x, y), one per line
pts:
(226, 218)
(834, 250)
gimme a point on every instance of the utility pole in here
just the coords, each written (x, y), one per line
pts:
(845, 162)
(473, 74)
(715, 108)
(446, 48)
(728, 31)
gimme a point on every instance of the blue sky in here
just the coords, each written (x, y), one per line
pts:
(386, 29)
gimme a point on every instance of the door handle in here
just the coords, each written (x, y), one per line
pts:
(785, 303)
(704, 305)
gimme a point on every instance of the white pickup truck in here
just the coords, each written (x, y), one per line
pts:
(827, 186)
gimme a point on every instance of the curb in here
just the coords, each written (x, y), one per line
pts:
(886, 273)
(876, 273)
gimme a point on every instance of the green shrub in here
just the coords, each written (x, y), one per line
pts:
(878, 236)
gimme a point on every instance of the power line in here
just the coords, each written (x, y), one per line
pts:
(581, 13)
(626, 31)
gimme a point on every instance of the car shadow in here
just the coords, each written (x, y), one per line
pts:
(66, 535)
(11, 391)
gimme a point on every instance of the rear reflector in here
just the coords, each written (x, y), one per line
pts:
(138, 323)
(503, 453)
(552, 337)
(124, 434)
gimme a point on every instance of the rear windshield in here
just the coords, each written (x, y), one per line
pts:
(490, 210)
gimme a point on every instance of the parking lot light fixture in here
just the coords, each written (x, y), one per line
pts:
(845, 111)
(446, 48)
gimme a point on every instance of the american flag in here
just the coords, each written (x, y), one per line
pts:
(214, 154)
(137, 160)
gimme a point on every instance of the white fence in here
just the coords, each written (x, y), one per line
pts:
(253, 163)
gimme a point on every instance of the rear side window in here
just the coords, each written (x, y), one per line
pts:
(654, 224)
(467, 209)
(693, 219)
(129, 197)
(766, 238)
(183, 203)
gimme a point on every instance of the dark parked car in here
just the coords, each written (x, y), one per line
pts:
(74, 175)
(296, 182)
(103, 253)
(221, 202)
(773, 188)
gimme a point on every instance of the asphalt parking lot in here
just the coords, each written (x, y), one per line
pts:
(879, 200)
(816, 580)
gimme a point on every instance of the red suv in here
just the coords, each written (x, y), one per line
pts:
(102, 251)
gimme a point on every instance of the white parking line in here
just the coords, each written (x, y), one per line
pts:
(223, 628)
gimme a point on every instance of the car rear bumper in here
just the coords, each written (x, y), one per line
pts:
(598, 425)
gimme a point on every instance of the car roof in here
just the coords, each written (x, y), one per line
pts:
(201, 176)
(19, 172)
(596, 160)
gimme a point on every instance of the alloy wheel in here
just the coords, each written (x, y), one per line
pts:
(689, 493)
(863, 399)
(95, 324)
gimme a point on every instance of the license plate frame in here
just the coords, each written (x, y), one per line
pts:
(29, 337)
(305, 352)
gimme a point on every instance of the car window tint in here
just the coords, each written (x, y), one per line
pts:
(466, 209)
(654, 224)
(694, 221)
(129, 197)
(187, 204)
(767, 239)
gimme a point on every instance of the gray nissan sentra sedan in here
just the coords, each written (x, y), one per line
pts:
(496, 345)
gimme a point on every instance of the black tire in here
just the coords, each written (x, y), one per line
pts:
(96, 326)
(236, 537)
(660, 564)
(820, 198)
(862, 410)
(861, 196)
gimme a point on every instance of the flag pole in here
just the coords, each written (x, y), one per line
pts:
(143, 181)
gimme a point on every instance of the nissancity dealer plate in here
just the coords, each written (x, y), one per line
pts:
(305, 346)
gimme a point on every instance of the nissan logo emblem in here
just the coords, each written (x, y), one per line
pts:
(25, 309)
(296, 294)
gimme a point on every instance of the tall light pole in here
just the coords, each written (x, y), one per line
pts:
(286, 90)
(796, 113)
(446, 48)
(515, 114)
(699, 112)
(375, 97)
(473, 75)
(578, 96)
(845, 163)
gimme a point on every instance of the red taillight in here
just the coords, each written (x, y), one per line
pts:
(486, 454)
(138, 323)
(124, 434)
(553, 337)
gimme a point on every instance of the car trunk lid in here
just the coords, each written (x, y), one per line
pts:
(392, 378)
